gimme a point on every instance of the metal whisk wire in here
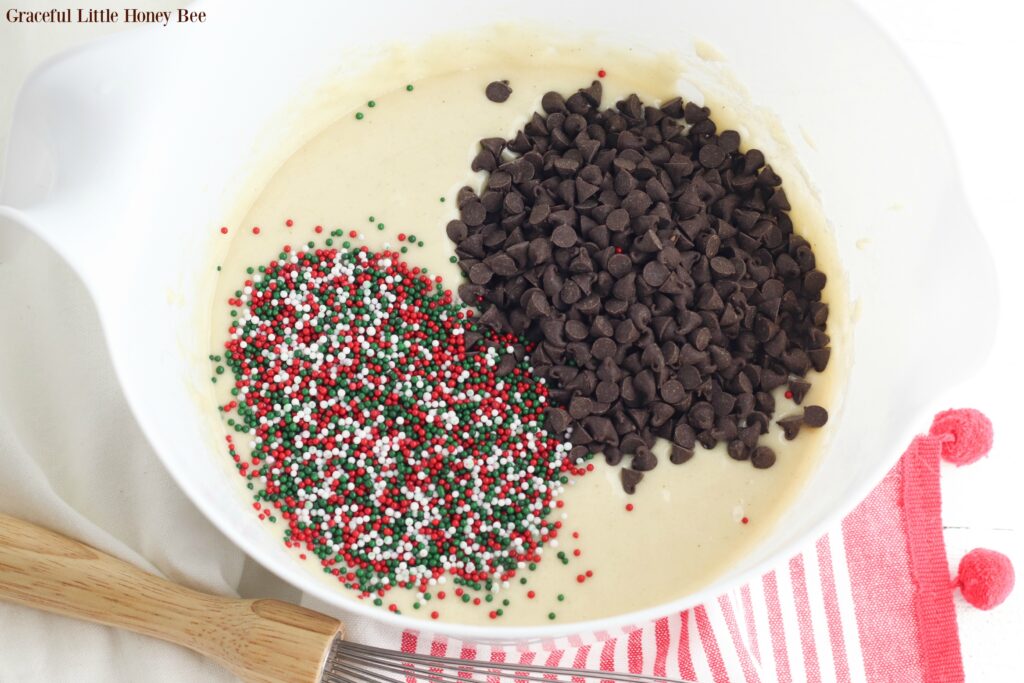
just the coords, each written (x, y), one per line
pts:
(355, 663)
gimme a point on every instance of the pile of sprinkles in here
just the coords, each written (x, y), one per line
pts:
(397, 442)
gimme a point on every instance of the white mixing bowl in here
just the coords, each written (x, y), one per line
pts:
(127, 154)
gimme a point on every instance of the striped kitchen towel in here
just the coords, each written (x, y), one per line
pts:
(870, 601)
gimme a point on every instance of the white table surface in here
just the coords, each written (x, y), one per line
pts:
(971, 56)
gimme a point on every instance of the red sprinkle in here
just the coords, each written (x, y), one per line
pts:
(789, 394)
(576, 552)
(224, 230)
(434, 615)
(629, 507)
(352, 233)
(289, 222)
(745, 520)
(531, 595)
(256, 230)
(318, 229)
(602, 73)
(580, 578)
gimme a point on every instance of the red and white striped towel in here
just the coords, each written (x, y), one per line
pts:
(870, 601)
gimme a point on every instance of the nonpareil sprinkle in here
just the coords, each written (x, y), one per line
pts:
(397, 441)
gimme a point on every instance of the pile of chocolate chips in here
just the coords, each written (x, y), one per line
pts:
(657, 269)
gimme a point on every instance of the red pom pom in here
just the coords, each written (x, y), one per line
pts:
(985, 578)
(967, 434)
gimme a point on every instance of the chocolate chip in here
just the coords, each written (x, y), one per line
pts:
(799, 388)
(564, 236)
(679, 454)
(457, 231)
(480, 274)
(556, 420)
(672, 391)
(498, 91)
(702, 415)
(655, 274)
(630, 478)
(738, 450)
(711, 156)
(644, 460)
(580, 407)
(763, 457)
(791, 426)
(603, 348)
(815, 416)
(619, 265)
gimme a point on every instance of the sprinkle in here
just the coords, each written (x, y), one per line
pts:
(745, 520)
(561, 597)
(371, 104)
(409, 87)
(224, 230)
(601, 73)
(551, 616)
(318, 229)
(531, 595)
(289, 222)
(442, 200)
(789, 394)
(256, 230)
(389, 452)
(359, 116)
(629, 507)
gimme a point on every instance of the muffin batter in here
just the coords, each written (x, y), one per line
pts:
(401, 162)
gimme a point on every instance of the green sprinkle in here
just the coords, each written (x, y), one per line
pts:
(404, 250)
(412, 239)
(218, 269)
(378, 602)
(380, 226)
(372, 219)
(415, 605)
(453, 259)
(359, 116)
(561, 597)
(371, 104)
(409, 87)
(551, 616)
(498, 611)
(442, 200)
(420, 243)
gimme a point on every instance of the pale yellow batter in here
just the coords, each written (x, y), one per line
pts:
(402, 163)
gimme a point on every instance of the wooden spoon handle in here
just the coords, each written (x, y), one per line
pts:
(264, 641)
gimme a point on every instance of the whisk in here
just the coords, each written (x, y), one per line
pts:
(261, 641)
